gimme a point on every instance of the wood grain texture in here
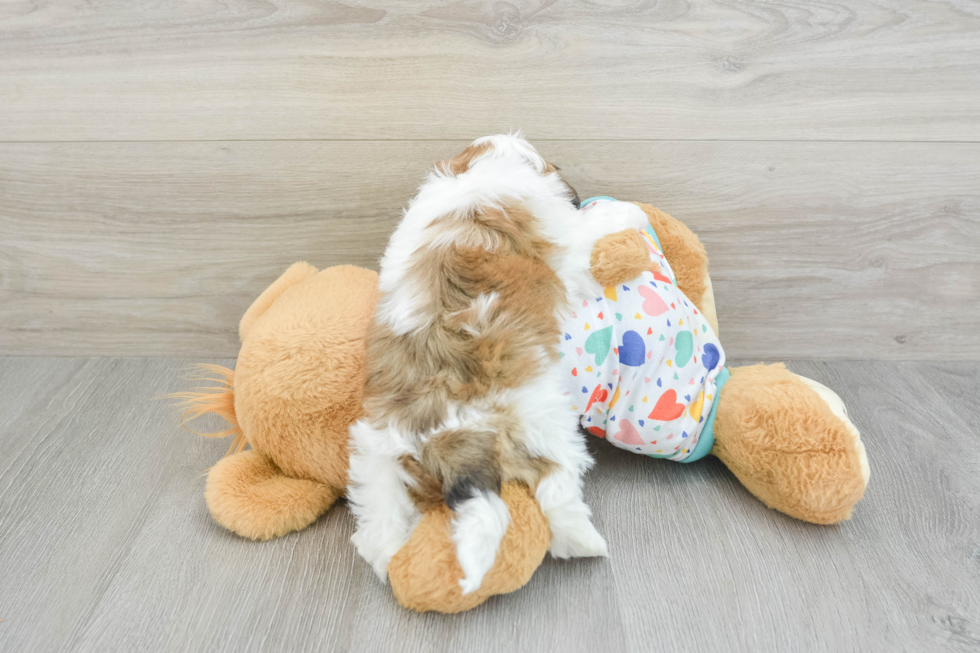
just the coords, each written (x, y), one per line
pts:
(107, 545)
(818, 250)
(366, 69)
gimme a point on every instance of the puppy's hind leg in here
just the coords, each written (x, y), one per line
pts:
(572, 534)
(553, 434)
(378, 495)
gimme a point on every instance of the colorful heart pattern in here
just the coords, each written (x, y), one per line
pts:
(598, 343)
(711, 356)
(648, 361)
(667, 408)
(684, 343)
(600, 395)
(632, 352)
(628, 434)
(653, 303)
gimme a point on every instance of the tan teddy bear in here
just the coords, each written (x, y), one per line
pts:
(297, 387)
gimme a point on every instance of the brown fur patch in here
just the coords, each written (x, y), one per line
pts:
(461, 162)
(457, 461)
(411, 377)
(426, 493)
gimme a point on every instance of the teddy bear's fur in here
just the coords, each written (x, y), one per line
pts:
(297, 387)
(295, 390)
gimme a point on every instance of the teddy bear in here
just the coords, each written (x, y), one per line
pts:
(297, 385)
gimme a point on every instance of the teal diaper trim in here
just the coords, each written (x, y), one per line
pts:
(707, 440)
(597, 197)
(613, 199)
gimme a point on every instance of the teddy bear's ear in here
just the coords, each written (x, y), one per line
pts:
(296, 274)
(619, 257)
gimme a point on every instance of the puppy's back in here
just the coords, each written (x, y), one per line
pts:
(492, 301)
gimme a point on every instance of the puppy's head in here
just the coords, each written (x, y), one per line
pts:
(512, 149)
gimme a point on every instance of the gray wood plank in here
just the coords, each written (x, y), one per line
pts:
(818, 250)
(106, 543)
(168, 70)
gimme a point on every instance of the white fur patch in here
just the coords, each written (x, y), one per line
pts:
(478, 527)
(378, 495)
(552, 433)
(510, 146)
(478, 313)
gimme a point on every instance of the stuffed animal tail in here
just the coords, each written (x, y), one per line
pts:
(219, 400)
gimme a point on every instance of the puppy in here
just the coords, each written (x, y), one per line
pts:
(463, 388)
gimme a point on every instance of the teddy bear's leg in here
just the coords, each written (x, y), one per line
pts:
(789, 445)
(687, 258)
(425, 574)
(296, 274)
(249, 495)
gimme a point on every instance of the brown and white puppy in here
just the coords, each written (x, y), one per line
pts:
(463, 389)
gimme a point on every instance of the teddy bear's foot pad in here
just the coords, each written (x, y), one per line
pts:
(249, 495)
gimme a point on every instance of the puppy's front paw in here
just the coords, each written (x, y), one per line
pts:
(584, 541)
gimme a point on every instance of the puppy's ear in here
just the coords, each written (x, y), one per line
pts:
(572, 193)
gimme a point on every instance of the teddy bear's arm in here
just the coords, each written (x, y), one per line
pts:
(687, 258)
(619, 257)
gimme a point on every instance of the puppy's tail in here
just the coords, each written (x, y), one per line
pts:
(466, 462)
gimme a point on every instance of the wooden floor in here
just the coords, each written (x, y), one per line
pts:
(106, 543)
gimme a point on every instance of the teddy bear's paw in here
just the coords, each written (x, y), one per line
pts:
(790, 442)
(249, 495)
(578, 540)
(836, 405)
(619, 257)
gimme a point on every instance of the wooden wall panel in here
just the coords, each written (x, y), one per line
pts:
(818, 250)
(433, 69)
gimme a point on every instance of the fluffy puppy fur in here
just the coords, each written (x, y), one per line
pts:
(462, 389)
